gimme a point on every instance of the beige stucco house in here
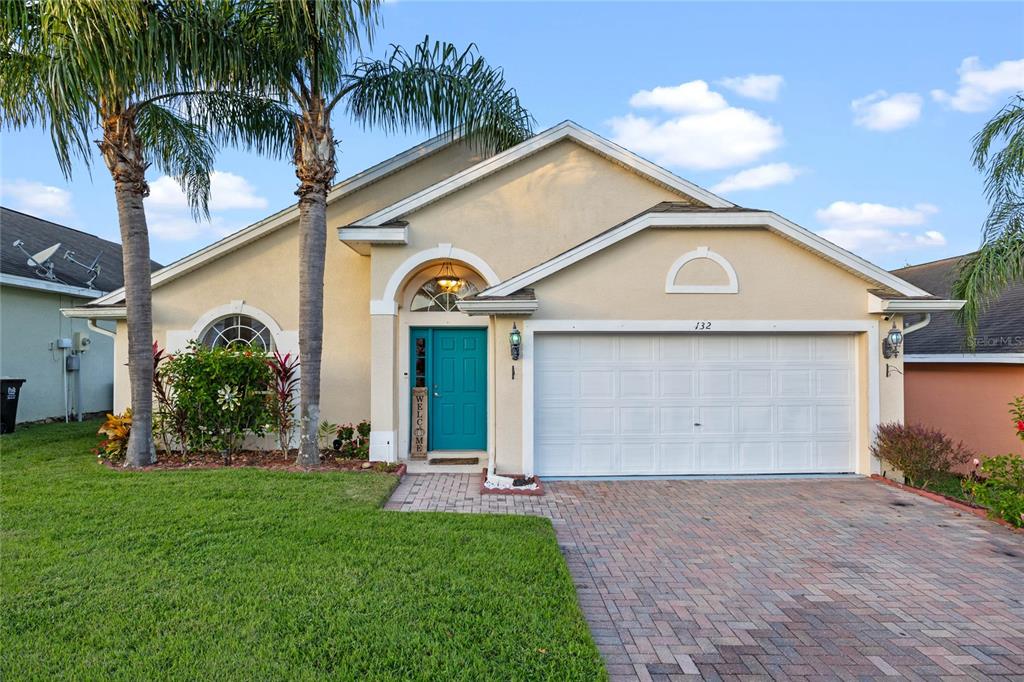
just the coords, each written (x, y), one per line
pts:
(664, 330)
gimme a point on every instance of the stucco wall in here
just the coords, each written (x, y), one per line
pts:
(30, 323)
(777, 281)
(967, 402)
(264, 274)
(528, 212)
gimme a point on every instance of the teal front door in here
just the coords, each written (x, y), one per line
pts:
(452, 365)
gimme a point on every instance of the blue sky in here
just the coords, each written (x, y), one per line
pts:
(857, 124)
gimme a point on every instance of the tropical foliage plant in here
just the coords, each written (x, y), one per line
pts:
(921, 453)
(999, 154)
(283, 396)
(310, 55)
(224, 395)
(116, 430)
(1000, 487)
(145, 79)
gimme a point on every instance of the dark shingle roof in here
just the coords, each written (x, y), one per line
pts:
(38, 234)
(1000, 328)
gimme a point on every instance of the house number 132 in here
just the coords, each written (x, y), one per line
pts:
(702, 325)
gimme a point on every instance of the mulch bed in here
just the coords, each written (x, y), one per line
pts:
(960, 505)
(274, 460)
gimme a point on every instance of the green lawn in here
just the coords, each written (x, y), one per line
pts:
(247, 574)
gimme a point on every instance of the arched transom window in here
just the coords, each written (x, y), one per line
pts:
(239, 329)
(432, 299)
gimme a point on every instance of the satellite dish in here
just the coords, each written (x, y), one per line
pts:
(39, 260)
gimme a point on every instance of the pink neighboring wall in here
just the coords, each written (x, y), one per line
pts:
(966, 401)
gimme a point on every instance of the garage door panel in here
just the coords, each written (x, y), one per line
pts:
(637, 384)
(636, 404)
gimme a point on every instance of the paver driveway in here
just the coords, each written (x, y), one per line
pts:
(836, 578)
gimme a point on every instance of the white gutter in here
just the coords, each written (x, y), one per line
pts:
(107, 312)
(47, 285)
(91, 324)
(973, 358)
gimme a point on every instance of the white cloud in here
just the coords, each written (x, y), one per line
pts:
(168, 214)
(693, 97)
(180, 227)
(980, 88)
(764, 87)
(758, 178)
(705, 134)
(227, 191)
(882, 111)
(35, 198)
(875, 228)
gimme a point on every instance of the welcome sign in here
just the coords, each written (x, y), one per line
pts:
(419, 423)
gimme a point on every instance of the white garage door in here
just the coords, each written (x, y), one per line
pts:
(646, 404)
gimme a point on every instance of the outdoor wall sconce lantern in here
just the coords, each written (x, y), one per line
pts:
(892, 342)
(515, 340)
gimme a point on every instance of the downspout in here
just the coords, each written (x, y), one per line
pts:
(91, 324)
(918, 325)
(491, 456)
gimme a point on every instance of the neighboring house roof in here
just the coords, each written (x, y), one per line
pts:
(282, 218)
(36, 235)
(567, 130)
(681, 215)
(1000, 327)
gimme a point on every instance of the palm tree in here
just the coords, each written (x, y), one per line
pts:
(1000, 260)
(308, 53)
(135, 72)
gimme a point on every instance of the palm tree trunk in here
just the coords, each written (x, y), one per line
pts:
(122, 153)
(315, 168)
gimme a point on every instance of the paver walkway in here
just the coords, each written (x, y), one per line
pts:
(783, 579)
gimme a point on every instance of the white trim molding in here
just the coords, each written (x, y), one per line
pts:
(47, 285)
(701, 253)
(567, 130)
(382, 446)
(878, 304)
(709, 219)
(360, 239)
(387, 304)
(107, 312)
(972, 358)
(865, 431)
(501, 306)
(278, 220)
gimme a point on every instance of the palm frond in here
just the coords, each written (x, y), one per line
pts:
(1004, 168)
(437, 87)
(181, 149)
(983, 275)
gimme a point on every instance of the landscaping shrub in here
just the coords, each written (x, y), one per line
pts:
(218, 396)
(116, 428)
(920, 452)
(1000, 488)
(353, 441)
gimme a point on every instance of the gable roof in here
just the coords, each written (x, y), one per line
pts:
(676, 215)
(38, 234)
(1000, 326)
(567, 130)
(283, 217)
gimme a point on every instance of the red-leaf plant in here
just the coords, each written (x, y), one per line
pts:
(285, 368)
(168, 419)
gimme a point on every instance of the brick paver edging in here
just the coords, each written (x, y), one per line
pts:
(981, 512)
(535, 492)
